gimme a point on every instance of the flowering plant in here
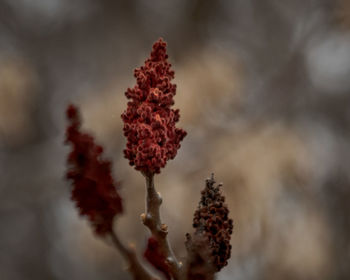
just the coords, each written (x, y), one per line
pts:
(152, 140)
(149, 121)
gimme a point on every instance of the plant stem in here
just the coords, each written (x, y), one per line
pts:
(135, 267)
(159, 230)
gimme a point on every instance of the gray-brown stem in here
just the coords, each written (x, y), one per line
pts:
(152, 220)
(135, 267)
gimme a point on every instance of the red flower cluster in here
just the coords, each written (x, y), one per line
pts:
(94, 190)
(211, 220)
(149, 121)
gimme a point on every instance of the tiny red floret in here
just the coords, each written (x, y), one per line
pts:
(94, 190)
(149, 120)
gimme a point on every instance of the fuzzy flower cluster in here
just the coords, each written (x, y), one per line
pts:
(149, 120)
(211, 220)
(94, 190)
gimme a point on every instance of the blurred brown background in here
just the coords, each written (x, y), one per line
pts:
(263, 91)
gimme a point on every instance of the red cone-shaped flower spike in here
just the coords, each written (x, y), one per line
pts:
(94, 190)
(149, 120)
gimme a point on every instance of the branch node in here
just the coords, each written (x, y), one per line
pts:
(160, 199)
(132, 247)
(143, 217)
(170, 260)
(164, 228)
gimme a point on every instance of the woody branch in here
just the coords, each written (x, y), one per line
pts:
(135, 267)
(152, 220)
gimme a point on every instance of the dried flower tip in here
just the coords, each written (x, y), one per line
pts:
(211, 220)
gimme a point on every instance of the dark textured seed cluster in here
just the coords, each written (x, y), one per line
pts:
(211, 219)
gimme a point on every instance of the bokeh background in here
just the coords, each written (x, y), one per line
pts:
(263, 91)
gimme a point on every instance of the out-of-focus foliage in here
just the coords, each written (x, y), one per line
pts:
(264, 94)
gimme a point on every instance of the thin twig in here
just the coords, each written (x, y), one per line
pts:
(135, 267)
(159, 230)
